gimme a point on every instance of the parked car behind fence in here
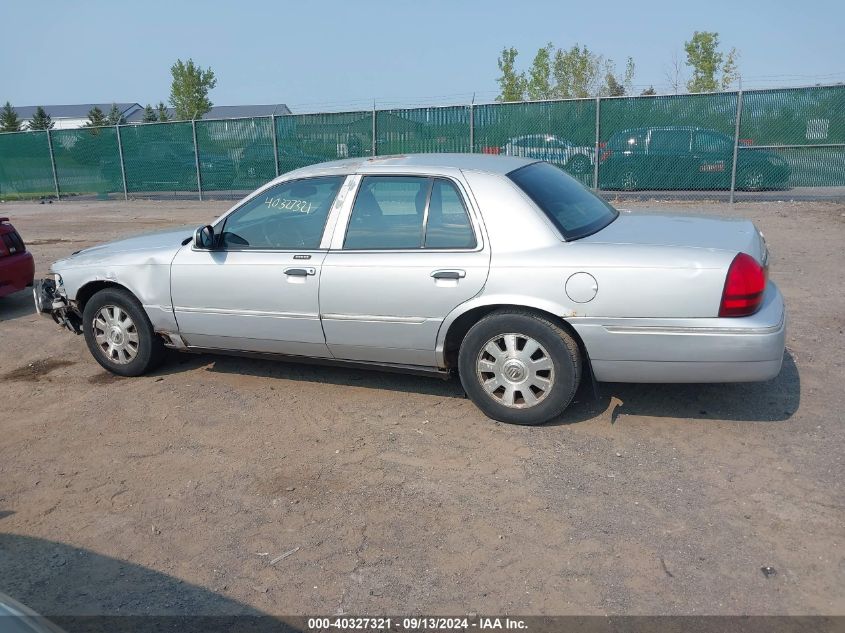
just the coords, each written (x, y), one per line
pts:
(573, 158)
(684, 157)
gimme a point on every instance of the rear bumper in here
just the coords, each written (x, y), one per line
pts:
(16, 272)
(745, 349)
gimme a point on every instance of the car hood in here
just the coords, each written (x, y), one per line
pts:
(690, 231)
(160, 246)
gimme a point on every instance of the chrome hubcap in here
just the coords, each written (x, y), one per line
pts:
(515, 370)
(754, 180)
(116, 334)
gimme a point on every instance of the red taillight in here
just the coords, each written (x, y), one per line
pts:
(744, 287)
(605, 155)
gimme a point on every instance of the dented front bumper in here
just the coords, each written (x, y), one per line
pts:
(51, 300)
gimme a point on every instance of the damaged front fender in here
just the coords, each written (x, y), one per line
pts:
(51, 300)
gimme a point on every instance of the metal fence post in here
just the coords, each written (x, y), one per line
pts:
(197, 157)
(374, 129)
(122, 167)
(275, 144)
(53, 164)
(736, 142)
(472, 125)
(598, 142)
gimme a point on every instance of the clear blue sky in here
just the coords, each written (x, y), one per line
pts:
(327, 54)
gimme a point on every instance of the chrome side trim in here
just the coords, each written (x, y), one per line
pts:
(255, 313)
(659, 329)
(333, 362)
(377, 318)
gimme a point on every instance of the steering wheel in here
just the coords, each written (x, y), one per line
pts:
(298, 239)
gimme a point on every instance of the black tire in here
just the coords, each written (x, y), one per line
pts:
(560, 347)
(752, 179)
(629, 181)
(150, 350)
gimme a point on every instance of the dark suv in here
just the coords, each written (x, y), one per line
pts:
(678, 157)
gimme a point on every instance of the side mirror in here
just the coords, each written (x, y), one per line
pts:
(204, 238)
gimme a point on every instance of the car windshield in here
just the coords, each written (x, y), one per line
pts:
(576, 211)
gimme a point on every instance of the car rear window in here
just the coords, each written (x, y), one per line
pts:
(574, 210)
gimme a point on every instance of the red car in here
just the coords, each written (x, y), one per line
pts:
(17, 268)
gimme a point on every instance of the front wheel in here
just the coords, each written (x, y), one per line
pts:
(519, 367)
(119, 333)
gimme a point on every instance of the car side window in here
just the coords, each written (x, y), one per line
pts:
(670, 142)
(388, 213)
(291, 215)
(710, 143)
(448, 224)
(631, 142)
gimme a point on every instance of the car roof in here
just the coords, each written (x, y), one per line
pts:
(665, 128)
(516, 138)
(423, 162)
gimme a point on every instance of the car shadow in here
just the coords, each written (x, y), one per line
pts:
(16, 305)
(771, 401)
(775, 400)
(376, 378)
(80, 590)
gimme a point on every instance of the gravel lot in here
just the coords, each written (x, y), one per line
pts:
(178, 492)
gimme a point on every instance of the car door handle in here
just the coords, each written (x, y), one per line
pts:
(300, 272)
(449, 274)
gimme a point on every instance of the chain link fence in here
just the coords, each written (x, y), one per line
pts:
(719, 143)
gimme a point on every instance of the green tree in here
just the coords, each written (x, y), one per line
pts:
(624, 82)
(40, 120)
(577, 72)
(161, 111)
(189, 89)
(96, 118)
(614, 88)
(712, 70)
(115, 116)
(511, 83)
(149, 115)
(539, 85)
(9, 121)
(648, 92)
(580, 73)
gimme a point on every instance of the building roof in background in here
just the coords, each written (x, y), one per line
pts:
(227, 112)
(74, 111)
(235, 111)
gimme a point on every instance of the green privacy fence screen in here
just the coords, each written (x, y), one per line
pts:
(25, 165)
(752, 140)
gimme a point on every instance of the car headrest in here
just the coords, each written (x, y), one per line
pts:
(367, 205)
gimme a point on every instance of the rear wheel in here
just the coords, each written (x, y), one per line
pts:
(119, 333)
(629, 181)
(519, 367)
(753, 179)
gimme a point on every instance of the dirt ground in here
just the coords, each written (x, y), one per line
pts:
(225, 485)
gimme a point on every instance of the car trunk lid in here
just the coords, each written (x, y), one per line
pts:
(657, 229)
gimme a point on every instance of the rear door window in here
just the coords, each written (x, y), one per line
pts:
(711, 143)
(388, 213)
(448, 224)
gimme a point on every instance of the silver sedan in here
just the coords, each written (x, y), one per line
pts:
(503, 269)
